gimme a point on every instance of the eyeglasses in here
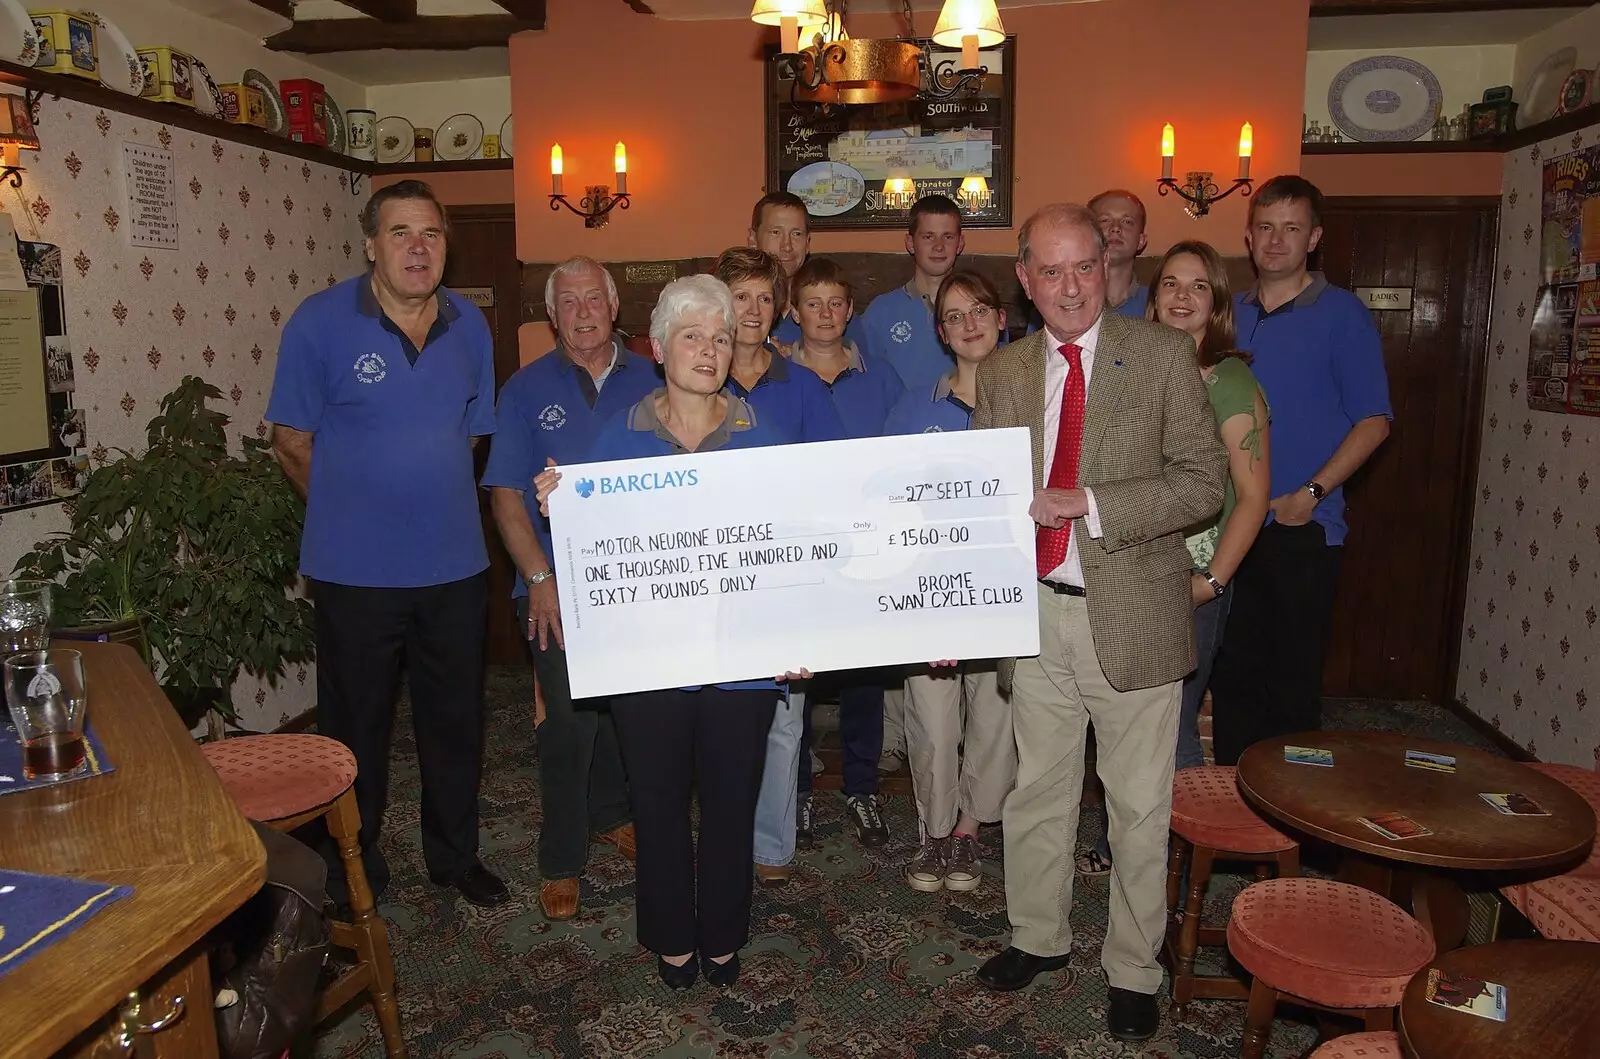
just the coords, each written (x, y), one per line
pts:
(955, 317)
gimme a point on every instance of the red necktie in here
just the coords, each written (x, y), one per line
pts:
(1051, 546)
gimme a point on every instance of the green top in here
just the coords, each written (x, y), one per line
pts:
(1232, 389)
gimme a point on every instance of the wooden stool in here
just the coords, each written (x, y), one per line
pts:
(1326, 945)
(1212, 821)
(1384, 1045)
(284, 781)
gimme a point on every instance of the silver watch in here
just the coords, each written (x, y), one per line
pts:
(539, 578)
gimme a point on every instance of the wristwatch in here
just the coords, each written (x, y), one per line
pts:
(1216, 586)
(539, 578)
(1315, 489)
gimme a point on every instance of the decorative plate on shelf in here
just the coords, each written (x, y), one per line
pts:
(277, 121)
(1540, 97)
(505, 138)
(19, 39)
(1384, 98)
(395, 138)
(1575, 91)
(207, 96)
(333, 116)
(120, 65)
(458, 137)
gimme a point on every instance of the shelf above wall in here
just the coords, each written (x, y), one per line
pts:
(470, 165)
(1511, 141)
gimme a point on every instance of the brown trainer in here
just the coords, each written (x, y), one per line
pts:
(773, 874)
(622, 838)
(559, 898)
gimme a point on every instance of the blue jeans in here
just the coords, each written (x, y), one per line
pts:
(1209, 620)
(775, 808)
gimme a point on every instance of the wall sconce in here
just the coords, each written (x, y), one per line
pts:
(598, 201)
(1197, 188)
(16, 134)
(974, 194)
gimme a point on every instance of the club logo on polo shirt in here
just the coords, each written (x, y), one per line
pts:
(901, 331)
(370, 368)
(554, 417)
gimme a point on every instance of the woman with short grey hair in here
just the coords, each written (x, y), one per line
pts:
(693, 899)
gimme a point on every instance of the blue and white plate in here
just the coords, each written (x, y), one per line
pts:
(1384, 98)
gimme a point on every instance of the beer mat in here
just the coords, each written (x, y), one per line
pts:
(11, 779)
(36, 911)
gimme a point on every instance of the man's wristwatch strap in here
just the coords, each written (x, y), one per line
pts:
(1216, 586)
(1315, 489)
(538, 578)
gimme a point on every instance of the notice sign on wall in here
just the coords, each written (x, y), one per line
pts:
(152, 201)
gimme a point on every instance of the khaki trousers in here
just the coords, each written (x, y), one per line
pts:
(959, 742)
(1053, 699)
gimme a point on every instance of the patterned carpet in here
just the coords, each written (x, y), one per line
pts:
(847, 962)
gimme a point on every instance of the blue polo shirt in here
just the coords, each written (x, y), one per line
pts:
(637, 432)
(787, 332)
(900, 331)
(1134, 305)
(863, 393)
(1319, 361)
(391, 501)
(929, 411)
(552, 409)
(792, 400)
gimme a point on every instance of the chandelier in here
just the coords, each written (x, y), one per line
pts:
(834, 68)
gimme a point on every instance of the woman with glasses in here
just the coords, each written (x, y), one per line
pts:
(958, 729)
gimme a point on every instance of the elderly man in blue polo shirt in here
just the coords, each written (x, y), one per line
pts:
(384, 384)
(1318, 357)
(552, 410)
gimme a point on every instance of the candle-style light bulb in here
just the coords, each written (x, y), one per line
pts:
(789, 34)
(622, 168)
(1168, 149)
(555, 169)
(1247, 137)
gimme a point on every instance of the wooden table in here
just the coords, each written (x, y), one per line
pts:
(1551, 1009)
(160, 823)
(1369, 776)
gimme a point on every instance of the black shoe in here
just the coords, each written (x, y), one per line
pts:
(1132, 1016)
(480, 887)
(723, 974)
(1015, 969)
(870, 829)
(679, 977)
(802, 823)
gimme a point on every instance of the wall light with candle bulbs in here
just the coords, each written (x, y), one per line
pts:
(598, 200)
(16, 134)
(1197, 188)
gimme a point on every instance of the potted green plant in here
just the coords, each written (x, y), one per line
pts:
(194, 547)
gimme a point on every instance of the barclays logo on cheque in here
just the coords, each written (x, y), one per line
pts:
(637, 483)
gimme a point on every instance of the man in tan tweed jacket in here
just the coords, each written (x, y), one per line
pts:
(1116, 620)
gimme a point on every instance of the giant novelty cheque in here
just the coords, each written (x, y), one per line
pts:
(743, 564)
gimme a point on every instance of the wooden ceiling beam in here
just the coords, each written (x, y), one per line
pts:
(385, 10)
(527, 10)
(323, 36)
(1334, 8)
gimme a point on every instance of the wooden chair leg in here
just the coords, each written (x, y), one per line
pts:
(1258, 1020)
(1378, 1019)
(1176, 855)
(1189, 933)
(372, 939)
(1289, 862)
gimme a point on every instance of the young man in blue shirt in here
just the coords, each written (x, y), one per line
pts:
(1319, 360)
(781, 226)
(553, 409)
(899, 324)
(384, 384)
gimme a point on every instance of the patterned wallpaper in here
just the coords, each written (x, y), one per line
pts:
(1530, 649)
(257, 233)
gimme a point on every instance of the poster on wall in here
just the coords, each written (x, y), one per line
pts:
(1564, 342)
(48, 461)
(152, 202)
(861, 166)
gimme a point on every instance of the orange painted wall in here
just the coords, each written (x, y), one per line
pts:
(480, 188)
(1467, 173)
(1095, 83)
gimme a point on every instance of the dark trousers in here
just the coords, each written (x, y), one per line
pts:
(694, 897)
(363, 634)
(1268, 677)
(582, 786)
(860, 694)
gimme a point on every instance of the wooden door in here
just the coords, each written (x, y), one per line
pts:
(482, 264)
(1397, 621)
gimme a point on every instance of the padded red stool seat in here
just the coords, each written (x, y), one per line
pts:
(1324, 944)
(1565, 907)
(1385, 1045)
(284, 781)
(1211, 821)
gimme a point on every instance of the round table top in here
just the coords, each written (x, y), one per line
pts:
(1550, 1003)
(1369, 777)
